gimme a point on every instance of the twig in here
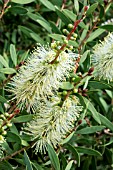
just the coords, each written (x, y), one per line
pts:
(17, 152)
(4, 8)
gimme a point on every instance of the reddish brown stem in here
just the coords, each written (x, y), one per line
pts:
(68, 38)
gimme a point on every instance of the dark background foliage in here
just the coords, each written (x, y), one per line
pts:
(27, 22)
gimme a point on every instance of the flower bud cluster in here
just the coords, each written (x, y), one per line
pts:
(4, 118)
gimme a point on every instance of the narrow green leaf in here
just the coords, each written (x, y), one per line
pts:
(95, 34)
(13, 54)
(22, 1)
(27, 161)
(84, 56)
(69, 165)
(95, 114)
(91, 8)
(70, 14)
(62, 16)
(3, 61)
(55, 28)
(106, 122)
(66, 85)
(66, 140)
(74, 152)
(3, 99)
(56, 37)
(6, 166)
(25, 30)
(40, 20)
(37, 38)
(7, 70)
(12, 137)
(53, 157)
(100, 85)
(37, 166)
(18, 10)
(88, 151)
(108, 27)
(89, 130)
(76, 5)
(24, 118)
(48, 4)
(13, 129)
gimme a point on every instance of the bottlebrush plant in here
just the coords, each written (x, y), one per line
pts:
(56, 90)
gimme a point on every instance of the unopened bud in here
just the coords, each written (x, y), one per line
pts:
(70, 26)
(64, 93)
(66, 41)
(9, 124)
(90, 70)
(86, 8)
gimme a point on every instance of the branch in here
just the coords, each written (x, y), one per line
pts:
(4, 8)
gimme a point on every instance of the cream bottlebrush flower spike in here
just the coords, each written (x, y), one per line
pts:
(38, 78)
(102, 59)
(52, 122)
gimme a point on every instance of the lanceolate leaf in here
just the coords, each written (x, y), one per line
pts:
(93, 111)
(13, 54)
(89, 130)
(22, 1)
(27, 161)
(91, 8)
(53, 157)
(48, 4)
(88, 151)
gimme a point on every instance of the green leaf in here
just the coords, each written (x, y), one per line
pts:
(63, 17)
(25, 30)
(13, 129)
(88, 151)
(74, 152)
(84, 56)
(37, 166)
(108, 27)
(99, 85)
(66, 85)
(89, 130)
(22, 119)
(3, 99)
(18, 10)
(3, 61)
(13, 54)
(56, 37)
(90, 107)
(40, 20)
(7, 70)
(55, 28)
(69, 165)
(27, 161)
(91, 8)
(73, 43)
(48, 4)
(22, 1)
(53, 157)
(6, 166)
(70, 14)
(76, 5)
(37, 38)
(66, 140)
(95, 34)
(24, 143)
(12, 137)
(106, 122)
